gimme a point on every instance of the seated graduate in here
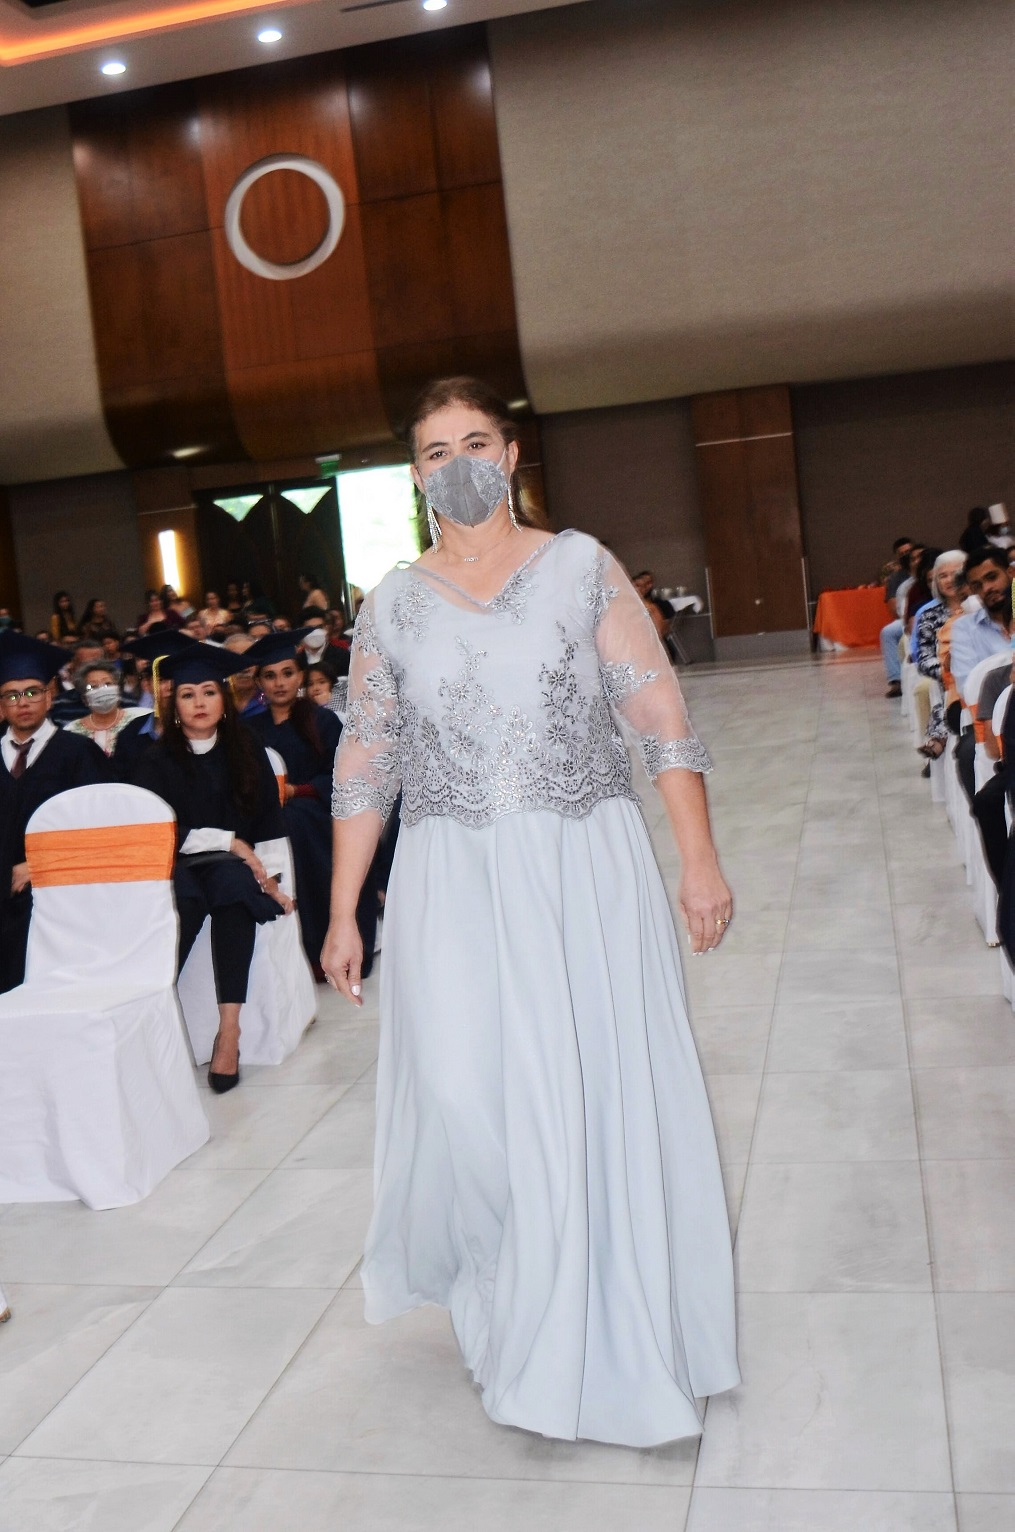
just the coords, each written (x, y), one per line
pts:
(306, 737)
(37, 761)
(217, 779)
(140, 733)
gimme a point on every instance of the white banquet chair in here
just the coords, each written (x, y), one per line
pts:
(281, 994)
(97, 1093)
(984, 891)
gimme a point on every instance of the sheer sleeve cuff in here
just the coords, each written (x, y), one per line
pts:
(358, 796)
(663, 755)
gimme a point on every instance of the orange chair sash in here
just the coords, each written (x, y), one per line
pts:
(107, 854)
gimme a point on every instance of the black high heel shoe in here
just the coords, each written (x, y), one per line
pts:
(220, 1083)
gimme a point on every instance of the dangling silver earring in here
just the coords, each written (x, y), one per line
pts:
(511, 507)
(435, 530)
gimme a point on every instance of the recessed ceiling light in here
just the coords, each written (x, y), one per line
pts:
(434, 5)
(114, 66)
(269, 35)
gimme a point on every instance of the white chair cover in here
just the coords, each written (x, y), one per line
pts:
(97, 1092)
(938, 766)
(984, 891)
(281, 994)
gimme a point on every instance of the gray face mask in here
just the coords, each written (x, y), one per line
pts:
(467, 490)
(101, 699)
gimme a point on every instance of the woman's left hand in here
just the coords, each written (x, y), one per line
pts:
(706, 905)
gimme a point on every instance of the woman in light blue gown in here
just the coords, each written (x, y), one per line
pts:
(546, 1165)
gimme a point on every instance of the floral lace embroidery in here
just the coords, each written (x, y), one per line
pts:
(483, 762)
(595, 595)
(513, 599)
(660, 756)
(411, 608)
(620, 681)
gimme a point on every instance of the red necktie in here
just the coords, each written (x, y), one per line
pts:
(21, 758)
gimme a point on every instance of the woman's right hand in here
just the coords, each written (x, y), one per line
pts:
(342, 959)
(249, 855)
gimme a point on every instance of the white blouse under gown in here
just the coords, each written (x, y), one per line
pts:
(546, 1165)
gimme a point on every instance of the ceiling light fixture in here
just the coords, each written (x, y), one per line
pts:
(434, 5)
(269, 35)
(114, 66)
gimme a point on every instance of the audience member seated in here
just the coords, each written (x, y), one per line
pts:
(661, 616)
(99, 685)
(154, 614)
(138, 736)
(97, 623)
(313, 594)
(234, 603)
(324, 688)
(255, 602)
(259, 627)
(68, 703)
(177, 608)
(948, 583)
(306, 737)
(37, 760)
(63, 623)
(974, 534)
(977, 635)
(218, 781)
(213, 614)
(893, 574)
(246, 691)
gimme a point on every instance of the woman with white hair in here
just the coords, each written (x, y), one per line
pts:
(948, 586)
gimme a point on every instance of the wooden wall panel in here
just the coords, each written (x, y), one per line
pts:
(464, 120)
(155, 318)
(197, 352)
(750, 506)
(392, 131)
(478, 260)
(138, 166)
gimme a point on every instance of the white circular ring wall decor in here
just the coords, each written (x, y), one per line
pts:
(234, 206)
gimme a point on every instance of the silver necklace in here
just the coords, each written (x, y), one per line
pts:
(474, 558)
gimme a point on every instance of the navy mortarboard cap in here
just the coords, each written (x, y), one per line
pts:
(158, 643)
(203, 662)
(273, 648)
(29, 659)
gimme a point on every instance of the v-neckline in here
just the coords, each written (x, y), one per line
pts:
(485, 606)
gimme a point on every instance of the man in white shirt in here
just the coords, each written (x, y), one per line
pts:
(37, 761)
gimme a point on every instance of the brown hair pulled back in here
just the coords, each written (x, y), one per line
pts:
(474, 394)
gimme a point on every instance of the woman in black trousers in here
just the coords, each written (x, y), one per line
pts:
(218, 781)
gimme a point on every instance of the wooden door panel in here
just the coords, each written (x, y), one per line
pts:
(747, 475)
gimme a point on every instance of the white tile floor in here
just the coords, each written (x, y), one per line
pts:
(200, 1362)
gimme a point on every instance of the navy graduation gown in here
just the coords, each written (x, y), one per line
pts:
(67, 760)
(308, 818)
(199, 793)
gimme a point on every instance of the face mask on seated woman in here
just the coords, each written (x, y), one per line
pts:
(102, 699)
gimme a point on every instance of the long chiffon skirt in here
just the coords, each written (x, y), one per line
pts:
(546, 1165)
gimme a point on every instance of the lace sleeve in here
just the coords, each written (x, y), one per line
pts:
(367, 775)
(638, 678)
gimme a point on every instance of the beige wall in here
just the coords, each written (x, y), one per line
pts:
(79, 535)
(882, 457)
(51, 420)
(709, 194)
(627, 475)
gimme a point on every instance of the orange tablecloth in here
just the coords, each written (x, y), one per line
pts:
(852, 618)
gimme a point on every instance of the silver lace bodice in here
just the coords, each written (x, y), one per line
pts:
(474, 710)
